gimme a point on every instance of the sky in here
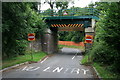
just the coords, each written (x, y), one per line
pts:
(77, 3)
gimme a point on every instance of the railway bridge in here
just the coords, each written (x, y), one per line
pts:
(57, 23)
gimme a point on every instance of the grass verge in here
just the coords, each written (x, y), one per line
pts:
(103, 72)
(101, 69)
(78, 47)
(22, 58)
(87, 60)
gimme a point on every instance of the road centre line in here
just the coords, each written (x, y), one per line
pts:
(73, 57)
(44, 60)
(75, 54)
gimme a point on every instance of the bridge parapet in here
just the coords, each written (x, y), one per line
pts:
(71, 21)
(70, 12)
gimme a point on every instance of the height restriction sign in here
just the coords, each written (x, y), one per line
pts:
(31, 37)
(88, 39)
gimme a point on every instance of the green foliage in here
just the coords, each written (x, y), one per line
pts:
(18, 19)
(104, 73)
(76, 36)
(73, 11)
(47, 12)
(37, 56)
(106, 44)
(62, 5)
(85, 60)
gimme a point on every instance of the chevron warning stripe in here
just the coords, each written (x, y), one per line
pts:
(67, 25)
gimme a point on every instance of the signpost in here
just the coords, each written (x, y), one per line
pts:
(88, 39)
(31, 37)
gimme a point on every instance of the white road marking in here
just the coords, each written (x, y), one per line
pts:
(85, 71)
(30, 68)
(24, 68)
(75, 54)
(75, 70)
(73, 57)
(66, 70)
(46, 69)
(44, 60)
(34, 69)
(57, 69)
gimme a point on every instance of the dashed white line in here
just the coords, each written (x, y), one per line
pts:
(73, 57)
(44, 60)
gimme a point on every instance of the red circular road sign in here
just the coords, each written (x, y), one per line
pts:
(88, 39)
(31, 37)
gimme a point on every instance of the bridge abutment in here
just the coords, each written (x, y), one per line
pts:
(90, 31)
(50, 41)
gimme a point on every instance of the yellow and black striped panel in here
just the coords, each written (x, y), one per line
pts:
(67, 25)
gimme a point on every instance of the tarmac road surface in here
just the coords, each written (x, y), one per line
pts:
(65, 64)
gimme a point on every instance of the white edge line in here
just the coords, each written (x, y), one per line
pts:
(97, 73)
(13, 66)
(44, 60)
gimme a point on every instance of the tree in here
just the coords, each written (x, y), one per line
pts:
(76, 36)
(18, 19)
(61, 5)
(106, 46)
(58, 4)
(51, 3)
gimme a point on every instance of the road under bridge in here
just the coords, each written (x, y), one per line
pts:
(66, 23)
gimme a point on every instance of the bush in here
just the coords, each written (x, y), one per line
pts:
(18, 19)
(106, 44)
